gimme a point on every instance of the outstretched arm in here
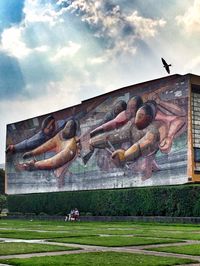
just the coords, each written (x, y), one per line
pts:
(47, 146)
(57, 160)
(117, 122)
(142, 147)
(169, 107)
(172, 108)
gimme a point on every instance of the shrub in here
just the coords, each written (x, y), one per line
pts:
(183, 200)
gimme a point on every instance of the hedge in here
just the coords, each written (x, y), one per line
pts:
(175, 201)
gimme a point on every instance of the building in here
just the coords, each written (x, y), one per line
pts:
(146, 134)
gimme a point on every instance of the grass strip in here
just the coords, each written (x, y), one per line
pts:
(99, 259)
(112, 241)
(24, 248)
(192, 249)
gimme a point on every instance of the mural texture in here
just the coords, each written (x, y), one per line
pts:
(135, 136)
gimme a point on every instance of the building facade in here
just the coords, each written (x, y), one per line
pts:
(146, 134)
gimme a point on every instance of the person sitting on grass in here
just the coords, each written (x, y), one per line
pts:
(76, 214)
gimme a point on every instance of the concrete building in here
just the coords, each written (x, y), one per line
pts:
(146, 134)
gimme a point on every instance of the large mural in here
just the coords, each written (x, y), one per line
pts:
(135, 136)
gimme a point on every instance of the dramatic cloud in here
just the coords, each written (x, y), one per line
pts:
(191, 19)
(66, 51)
(12, 42)
(37, 11)
(118, 30)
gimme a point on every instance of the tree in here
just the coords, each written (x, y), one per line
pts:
(3, 202)
(2, 181)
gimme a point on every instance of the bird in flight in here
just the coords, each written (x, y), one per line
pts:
(165, 65)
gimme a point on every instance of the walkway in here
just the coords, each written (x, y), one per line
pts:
(90, 248)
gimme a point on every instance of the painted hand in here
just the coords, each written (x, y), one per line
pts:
(118, 157)
(27, 155)
(166, 144)
(10, 148)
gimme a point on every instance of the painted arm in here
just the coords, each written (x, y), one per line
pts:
(176, 128)
(28, 144)
(117, 122)
(47, 146)
(171, 108)
(61, 158)
(142, 147)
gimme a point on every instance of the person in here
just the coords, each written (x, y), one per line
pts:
(48, 130)
(64, 143)
(70, 216)
(122, 118)
(76, 214)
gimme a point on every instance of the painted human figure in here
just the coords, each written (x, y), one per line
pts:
(150, 129)
(122, 118)
(48, 130)
(160, 130)
(63, 143)
(119, 106)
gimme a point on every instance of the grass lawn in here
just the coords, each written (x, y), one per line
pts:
(22, 248)
(108, 234)
(112, 241)
(171, 234)
(26, 234)
(192, 249)
(99, 259)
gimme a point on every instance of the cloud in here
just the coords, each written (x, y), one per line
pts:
(35, 11)
(192, 65)
(190, 20)
(145, 27)
(66, 51)
(12, 42)
(118, 30)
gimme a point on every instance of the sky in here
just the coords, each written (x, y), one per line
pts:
(54, 54)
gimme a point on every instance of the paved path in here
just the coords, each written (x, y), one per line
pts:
(90, 248)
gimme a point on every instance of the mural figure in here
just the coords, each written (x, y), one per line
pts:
(118, 107)
(48, 130)
(150, 130)
(149, 137)
(122, 118)
(64, 144)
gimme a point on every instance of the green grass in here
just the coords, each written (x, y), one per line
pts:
(20, 229)
(99, 259)
(112, 241)
(108, 234)
(192, 249)
(21, 248)
(26, 234)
